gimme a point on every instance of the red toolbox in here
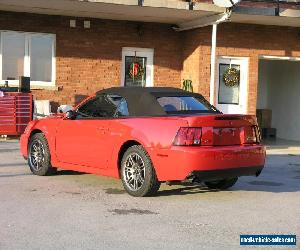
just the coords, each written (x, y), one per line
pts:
(15, 112)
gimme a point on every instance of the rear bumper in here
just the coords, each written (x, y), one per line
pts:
(211, 175)
(178, 163)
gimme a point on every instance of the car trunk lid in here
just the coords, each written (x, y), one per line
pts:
(223, 130)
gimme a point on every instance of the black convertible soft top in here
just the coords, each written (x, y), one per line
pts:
(142, 101)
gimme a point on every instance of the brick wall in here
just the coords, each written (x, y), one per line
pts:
(88, 60)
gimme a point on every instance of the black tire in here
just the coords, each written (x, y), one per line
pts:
(137, 173)
(221, 184)
(39, 158)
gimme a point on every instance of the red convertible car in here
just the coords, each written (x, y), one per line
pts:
(146, 136)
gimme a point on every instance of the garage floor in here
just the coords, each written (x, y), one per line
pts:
(273, 143)
(281, 146)
(81, 211)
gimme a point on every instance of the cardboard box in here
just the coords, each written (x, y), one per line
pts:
(268, 133)
(264, 118)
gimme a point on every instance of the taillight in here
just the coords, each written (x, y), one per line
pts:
(251, 135)
(188, 137)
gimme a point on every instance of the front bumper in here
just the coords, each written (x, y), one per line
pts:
(24, 145)
(178, 163)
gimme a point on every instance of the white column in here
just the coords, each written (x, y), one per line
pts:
(213, 63)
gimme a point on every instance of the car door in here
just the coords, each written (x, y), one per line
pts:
(85, 140)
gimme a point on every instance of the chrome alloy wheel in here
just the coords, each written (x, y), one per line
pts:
(134, 171)
(37, 155)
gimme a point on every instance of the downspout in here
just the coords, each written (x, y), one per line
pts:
(213, 63)
(214, 55)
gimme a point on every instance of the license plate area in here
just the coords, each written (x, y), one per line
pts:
(226, 136)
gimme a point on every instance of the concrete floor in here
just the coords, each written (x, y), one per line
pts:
(82, 211)
(281, 146)
(281, 143)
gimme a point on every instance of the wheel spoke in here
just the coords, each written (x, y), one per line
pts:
(130, 179)
(130, 160)
(33, 160)
(135, 184)
(37, 165)
(141, 167)
(140, 179)
(128, 169)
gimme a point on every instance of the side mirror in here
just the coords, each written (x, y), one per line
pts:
(70, 115)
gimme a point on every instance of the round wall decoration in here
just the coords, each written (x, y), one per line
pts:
(136, 70)
(231, 77)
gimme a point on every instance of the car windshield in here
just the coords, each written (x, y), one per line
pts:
(185, 105)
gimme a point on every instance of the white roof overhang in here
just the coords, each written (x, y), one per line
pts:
(164, 11)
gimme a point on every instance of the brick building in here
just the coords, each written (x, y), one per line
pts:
(71, 49)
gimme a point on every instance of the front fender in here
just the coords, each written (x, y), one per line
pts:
(48, 128)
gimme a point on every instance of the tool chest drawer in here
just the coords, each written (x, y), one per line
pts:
(15, 113)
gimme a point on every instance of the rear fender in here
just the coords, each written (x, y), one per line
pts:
(153, 134)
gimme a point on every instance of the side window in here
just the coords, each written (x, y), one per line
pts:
(120, 104)
(104, 106)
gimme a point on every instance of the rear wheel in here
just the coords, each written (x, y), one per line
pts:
(137, 172)
(39, 155)
(221, 184)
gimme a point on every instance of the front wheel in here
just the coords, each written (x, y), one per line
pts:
(39, 155)
(137, 173)
(221, 184)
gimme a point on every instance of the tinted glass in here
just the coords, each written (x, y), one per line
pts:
(185, 104)
(41, 58)
(120, 104)
(135, 71)
(228, 94)
(13, 52)
(104, 106)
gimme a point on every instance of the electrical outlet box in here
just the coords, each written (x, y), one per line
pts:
(87, 24)
(73, 23)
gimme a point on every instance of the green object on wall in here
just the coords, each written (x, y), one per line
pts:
(187, 85)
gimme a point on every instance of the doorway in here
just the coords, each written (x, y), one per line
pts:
(231, 88)
(278, 91)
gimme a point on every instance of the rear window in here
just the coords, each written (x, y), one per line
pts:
(185, 104)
